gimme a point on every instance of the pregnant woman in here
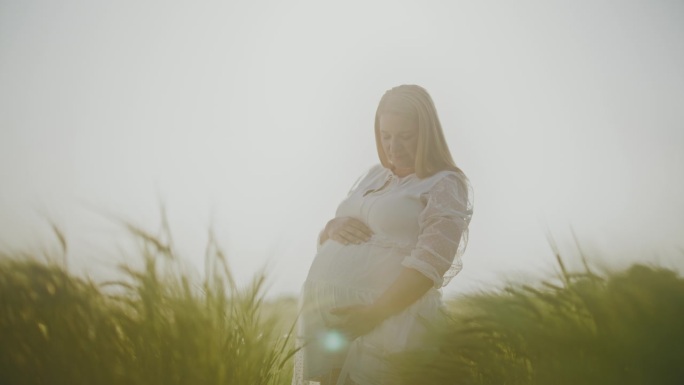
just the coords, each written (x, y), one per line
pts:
(396, 239)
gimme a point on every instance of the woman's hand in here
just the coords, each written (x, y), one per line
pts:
(357, 320)
(346, 230)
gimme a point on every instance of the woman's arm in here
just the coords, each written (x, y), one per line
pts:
(443, 233)
(405, 290)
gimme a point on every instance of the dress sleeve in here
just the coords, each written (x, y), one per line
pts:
(443, 229)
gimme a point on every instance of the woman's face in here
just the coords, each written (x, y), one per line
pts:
(399, 138)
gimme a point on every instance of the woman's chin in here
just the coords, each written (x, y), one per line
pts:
(401, 163)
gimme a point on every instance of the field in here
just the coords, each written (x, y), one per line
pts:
(157, 326)
(615, 328)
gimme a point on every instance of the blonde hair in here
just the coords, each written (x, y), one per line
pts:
(414, 102)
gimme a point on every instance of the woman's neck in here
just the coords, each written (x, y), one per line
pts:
(402, 172)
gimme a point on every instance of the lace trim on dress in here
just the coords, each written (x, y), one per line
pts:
(443, 229)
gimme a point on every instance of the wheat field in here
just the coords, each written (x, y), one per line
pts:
(157, 326)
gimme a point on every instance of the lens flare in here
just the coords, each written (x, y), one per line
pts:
(334, 341)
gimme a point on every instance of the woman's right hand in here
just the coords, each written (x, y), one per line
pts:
(346, 230)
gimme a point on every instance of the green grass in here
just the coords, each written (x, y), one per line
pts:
(148, 328)
(155, 325)
(621, 328)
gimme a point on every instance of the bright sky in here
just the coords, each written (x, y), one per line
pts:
(255, 117)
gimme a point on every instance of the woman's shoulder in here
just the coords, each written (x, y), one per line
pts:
(369, 175)
(456, 176)
(448, 183)
(376, 169)
(372, 171)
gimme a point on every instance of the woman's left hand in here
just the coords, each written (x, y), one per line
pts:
(358, 320)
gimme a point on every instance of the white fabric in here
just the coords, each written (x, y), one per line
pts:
(417, 223)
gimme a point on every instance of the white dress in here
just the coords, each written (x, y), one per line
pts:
(417, 223)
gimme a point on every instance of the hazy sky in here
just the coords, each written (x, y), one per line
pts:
(255, 117)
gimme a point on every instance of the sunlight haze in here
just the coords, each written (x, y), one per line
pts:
(254, 118)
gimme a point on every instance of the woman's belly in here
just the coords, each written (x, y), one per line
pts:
(344, 275)
(371, 266)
